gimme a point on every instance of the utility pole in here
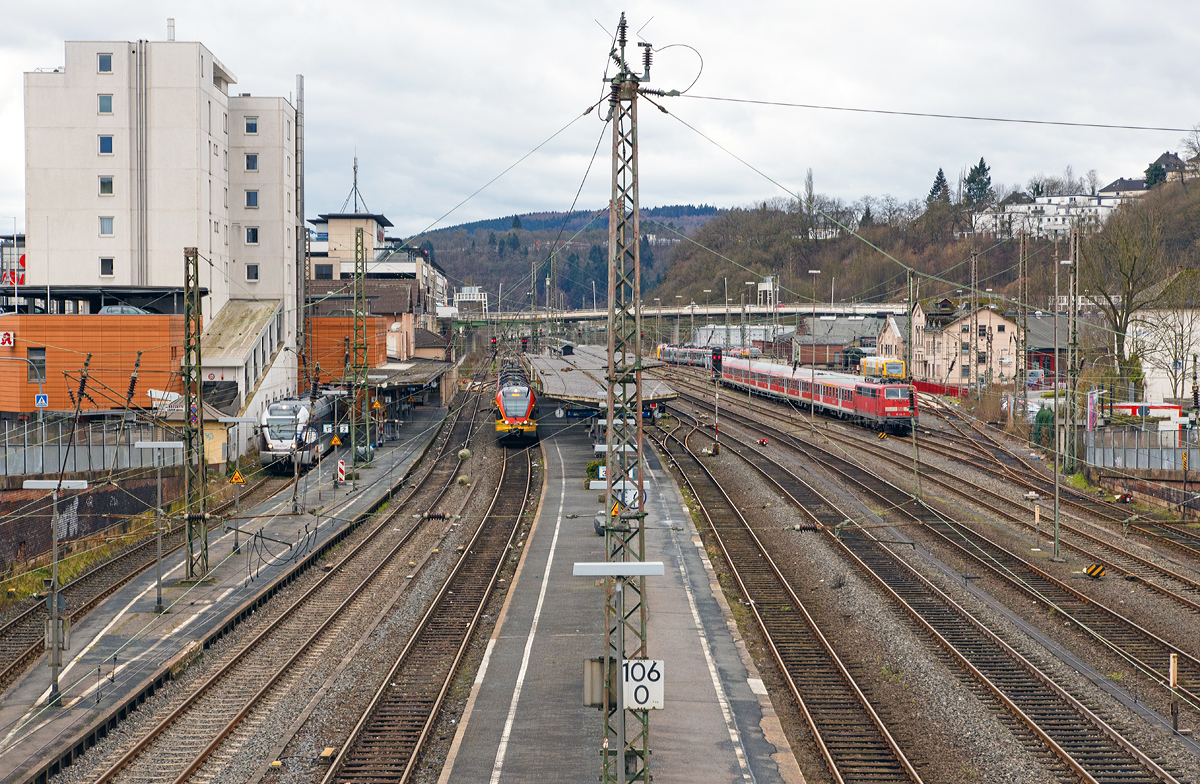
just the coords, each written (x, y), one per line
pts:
(357, 375)
(973, 372)
(193, 421)
(625, 749)
(1023, 333)
(908, 360)
(1073, 352)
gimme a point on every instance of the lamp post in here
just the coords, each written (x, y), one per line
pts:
(55, 486)
(812, 357)
(658, 322)
(726, 314)
(708, 316)
(678, 305)
(1057, 357)
(158, 510)
(746, 315)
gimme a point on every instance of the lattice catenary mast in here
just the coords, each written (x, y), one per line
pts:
(627, 732)
(193, 420)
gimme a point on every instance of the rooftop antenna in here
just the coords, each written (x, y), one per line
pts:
(355, 194)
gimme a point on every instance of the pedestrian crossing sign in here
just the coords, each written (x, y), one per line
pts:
(237, 478)
(336, 441)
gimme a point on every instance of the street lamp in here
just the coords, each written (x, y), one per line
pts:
(658, 322)
(677, 306)
(1057, 356)
(812, 357)
(708, 316)
(56, 632)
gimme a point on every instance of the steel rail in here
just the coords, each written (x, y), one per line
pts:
(972, 492)
(387, 739)
(848, 753)
(920, 590)
(1006, 565)
(124, 566)
(311, 595)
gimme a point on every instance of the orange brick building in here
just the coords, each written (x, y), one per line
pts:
(330, 336)
(60, 344)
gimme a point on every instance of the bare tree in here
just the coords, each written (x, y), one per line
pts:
(1120, 266)
(1093, 181)
(1168, 335)
(1191, 150)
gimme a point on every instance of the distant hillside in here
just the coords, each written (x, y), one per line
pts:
(492, 254)
(683, 216)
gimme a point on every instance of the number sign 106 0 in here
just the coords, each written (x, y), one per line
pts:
(643, 683)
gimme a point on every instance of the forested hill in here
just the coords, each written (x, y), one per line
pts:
(683, 216)
(511, 251)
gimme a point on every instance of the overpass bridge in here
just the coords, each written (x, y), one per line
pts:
(708, 312)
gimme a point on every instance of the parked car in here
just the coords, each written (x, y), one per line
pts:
(122, 310)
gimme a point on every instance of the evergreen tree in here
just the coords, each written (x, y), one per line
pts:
(516, 222)
(491, 238)
(1155, 174)
(867, 218)
(979, 185)
(940, 190)
(514, 242)
(428, 247)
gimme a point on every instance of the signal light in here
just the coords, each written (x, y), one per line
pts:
(493, 341)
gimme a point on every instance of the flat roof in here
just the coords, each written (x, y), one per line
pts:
(416, 372)
(580, 377)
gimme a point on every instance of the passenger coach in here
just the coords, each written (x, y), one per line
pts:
(881, 405)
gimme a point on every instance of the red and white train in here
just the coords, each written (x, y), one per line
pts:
(888, 406)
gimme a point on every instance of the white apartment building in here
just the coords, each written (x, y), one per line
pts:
(135, 151)
(1046, 216)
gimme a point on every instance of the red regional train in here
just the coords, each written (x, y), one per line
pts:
(885, 406)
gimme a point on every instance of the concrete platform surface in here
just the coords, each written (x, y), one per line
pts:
(525, 720)
(121, 642)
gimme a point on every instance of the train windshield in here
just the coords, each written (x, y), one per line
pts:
(895, 369)
(516, 401)
(280, 428)
(895, 393)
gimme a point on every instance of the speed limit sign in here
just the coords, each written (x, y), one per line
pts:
(643, 683)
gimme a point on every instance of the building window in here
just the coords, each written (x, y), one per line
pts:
(289, 129)
(251, 161)
(104, 104)
(225, 122)
(226, 197)
(965, 371)
(323, 271)
(106, 227)
(251, 272)
(106, 145)
(252, 199)
(252, 125)
(999, 327)
(104, 62)
(106, 268)
(251, 235)
(106, 186)
(37, 364)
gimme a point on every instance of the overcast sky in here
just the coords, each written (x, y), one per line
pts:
(438, 98)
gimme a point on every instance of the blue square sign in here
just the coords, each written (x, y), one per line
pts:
(41, 401)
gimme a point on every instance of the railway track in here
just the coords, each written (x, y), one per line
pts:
(22, 638)
(1086, 746)
(1142, 649)
(1019, 470)
(1176, 586)
(386, 742)
(212, 720)
(852, 738)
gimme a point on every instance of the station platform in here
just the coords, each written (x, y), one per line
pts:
(525, 720)
(579, 377)
(120, 644)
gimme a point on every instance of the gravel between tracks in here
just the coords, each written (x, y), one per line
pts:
(1158, 614)
(446, 536)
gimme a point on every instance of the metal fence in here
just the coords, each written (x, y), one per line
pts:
(1133, 448)
(42, 447)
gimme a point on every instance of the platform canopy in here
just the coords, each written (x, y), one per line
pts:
(579, 377)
